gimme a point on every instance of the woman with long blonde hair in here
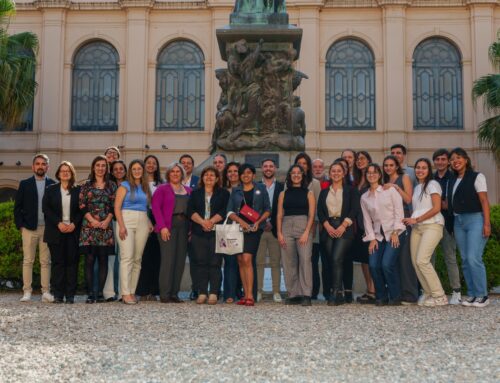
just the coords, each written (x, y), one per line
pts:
(131, 205)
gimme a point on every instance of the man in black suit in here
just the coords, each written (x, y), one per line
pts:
(269, 241)
(29, 219)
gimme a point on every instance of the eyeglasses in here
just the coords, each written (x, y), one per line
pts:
(372, 174)
(64, 172)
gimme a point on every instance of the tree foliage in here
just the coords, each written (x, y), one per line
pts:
(488, 88)
(17, 69)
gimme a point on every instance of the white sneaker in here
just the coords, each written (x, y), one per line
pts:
(468, 302)
(456, 298)
(422, 299)
(26, 297)
(277, 298)
(47, 298)
(433, 302)
(481, 302)
(441, 301)
(259, 297)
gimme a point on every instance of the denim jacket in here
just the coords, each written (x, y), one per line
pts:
(260, 201)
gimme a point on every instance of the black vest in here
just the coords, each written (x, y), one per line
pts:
(466, 199)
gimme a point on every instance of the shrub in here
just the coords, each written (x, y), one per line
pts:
(11, 251)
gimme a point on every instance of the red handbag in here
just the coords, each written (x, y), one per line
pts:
(249, 213)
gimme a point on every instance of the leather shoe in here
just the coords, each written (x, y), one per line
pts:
(176, 299)
(70, 300)
(306, 301)
(166, 300)
(293, 301)
(58, 300)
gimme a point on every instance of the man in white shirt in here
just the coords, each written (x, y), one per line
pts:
(30, 220)
(269, 242)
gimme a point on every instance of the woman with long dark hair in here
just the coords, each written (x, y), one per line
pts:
(232, 284)
(359, 248)
(383, 215)
(134, 226)
(254, 196)
(468, 201)
(294, 221)
(96, 199)
(62, 228)
(207, 207)
(396, 178)
(427, 230)
(338, 207)
(117, 174)
(147, 287)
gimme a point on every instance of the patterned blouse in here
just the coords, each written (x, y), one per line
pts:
(99, 203)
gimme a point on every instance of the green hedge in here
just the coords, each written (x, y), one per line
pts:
(11, 254)
(11, 251)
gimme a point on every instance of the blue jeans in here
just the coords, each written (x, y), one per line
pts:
(470, 241)
(384, 268)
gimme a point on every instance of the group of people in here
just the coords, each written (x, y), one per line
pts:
(135, 229)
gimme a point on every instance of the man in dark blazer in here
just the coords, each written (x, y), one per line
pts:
(187, 162)
(29, 219)
(269, 241)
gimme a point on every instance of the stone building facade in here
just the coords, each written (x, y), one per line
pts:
(140, 74)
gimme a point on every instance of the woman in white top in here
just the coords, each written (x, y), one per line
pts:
(382, 216)
(427, 231)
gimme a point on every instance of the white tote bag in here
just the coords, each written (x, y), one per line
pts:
(228, 238)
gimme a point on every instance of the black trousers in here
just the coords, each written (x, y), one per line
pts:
(206, 264)
(64, 257)
(317, 254)
(150, 268)
(336, 250)
(407, 274)
(347, 275)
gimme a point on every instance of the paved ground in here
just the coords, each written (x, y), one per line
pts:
(154, 342)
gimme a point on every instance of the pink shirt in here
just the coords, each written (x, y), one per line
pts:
(382, 209)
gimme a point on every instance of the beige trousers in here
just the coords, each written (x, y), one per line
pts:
(296, 259)
(131, 248)
(269, 245)
(32, 238)
(423, 242)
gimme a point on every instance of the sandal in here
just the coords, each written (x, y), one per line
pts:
(367, 298)
(242, 302)
(250, 302)
(202, 298)
(212, 299)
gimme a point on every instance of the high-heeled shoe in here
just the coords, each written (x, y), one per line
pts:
(242, 302)
(250, 302)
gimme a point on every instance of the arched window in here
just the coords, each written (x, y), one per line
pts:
(94, 93)
(437, 85)
(180, 87)
(350, 86)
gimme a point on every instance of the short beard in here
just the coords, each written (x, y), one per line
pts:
(40, 172)
(266, 177)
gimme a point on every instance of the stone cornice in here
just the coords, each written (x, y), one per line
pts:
(207, 4)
